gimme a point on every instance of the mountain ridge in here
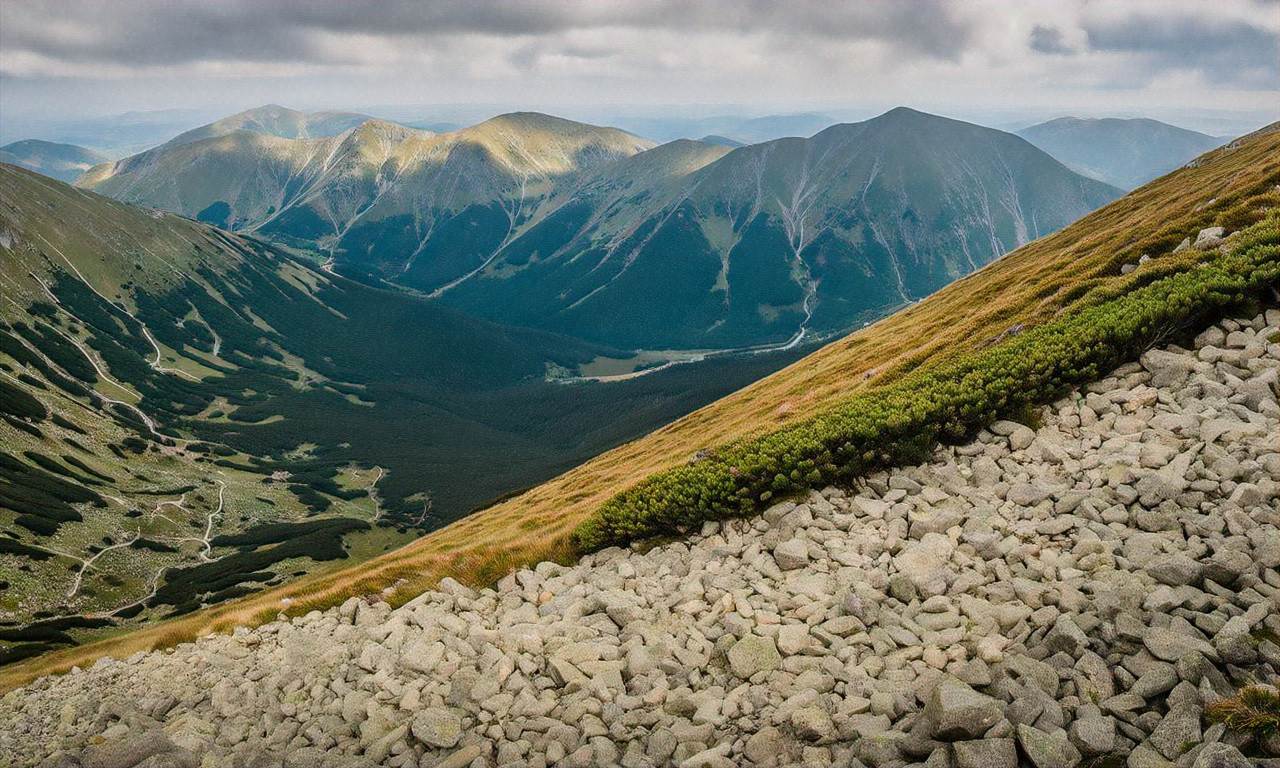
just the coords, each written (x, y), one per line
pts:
(758, 200)
(1125, 152)
(531, 219)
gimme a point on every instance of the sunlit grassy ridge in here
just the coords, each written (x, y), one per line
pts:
(1233, 186)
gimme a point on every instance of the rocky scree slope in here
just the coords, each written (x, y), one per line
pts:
(1075, 594)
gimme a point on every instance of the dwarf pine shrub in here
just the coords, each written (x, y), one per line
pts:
(902, 421)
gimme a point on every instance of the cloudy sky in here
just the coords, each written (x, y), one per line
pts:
(62, 58)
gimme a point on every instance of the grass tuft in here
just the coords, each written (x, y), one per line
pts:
(1254, 711)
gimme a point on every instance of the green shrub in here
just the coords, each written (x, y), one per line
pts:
(1254, 711)
(901, 422)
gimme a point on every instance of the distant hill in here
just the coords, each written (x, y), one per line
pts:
(114, 136)
(744, 130)
(64, 162)
(1123, 152)
(593, 232)
(275, 120)
(722, 141)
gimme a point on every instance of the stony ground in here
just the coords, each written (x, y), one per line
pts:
(1072, 595)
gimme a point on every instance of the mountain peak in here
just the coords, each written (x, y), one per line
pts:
(540, 122)
(276, 120)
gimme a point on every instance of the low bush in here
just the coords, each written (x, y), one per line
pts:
(1254, 712)
(901, 422)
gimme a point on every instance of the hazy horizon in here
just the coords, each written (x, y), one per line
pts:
(1213, 68)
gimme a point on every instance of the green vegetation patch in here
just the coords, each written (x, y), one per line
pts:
(264, 546)
(901, 422)
(13, 547)
(42, 499)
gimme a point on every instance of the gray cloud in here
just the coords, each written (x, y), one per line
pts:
(1045, 39)
(146, 33)
(1226, 52)
(113, 55)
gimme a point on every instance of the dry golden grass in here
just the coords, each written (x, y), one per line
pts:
(1026, 286)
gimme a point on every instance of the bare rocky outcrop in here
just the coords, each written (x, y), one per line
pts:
(1045, 597)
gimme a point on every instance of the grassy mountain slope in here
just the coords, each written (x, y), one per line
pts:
(1122, 152)
(1047, 278)
(164, 381)
(64, 162)
(780, 240)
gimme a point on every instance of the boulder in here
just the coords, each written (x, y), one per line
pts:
(985, 753)
(791, 554)
(437, 727)
(1047, 750)
(754, 654)
(956, 712)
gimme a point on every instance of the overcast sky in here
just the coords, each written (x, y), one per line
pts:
(61, 58)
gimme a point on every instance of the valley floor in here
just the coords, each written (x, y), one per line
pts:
(1044, 597)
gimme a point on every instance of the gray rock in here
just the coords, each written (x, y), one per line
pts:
(1234, 642)
(1066, 637)
(127, 751)
(812, 724)
(1158, 679)
(1177, 732)
(754, 654)
(956, 712)
(461, 757)
(791, 554)
(766, 747)
(1047, 750)
(437, 727)
(985, 753)
(1175, 570)
(926, 564)
(1093, 735)
(1026, 494)
(1220, 755)
(1209, 238)
(1170, 645)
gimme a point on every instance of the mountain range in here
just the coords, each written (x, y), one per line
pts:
(64, 162)
(1122, 152)
(594, 232)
